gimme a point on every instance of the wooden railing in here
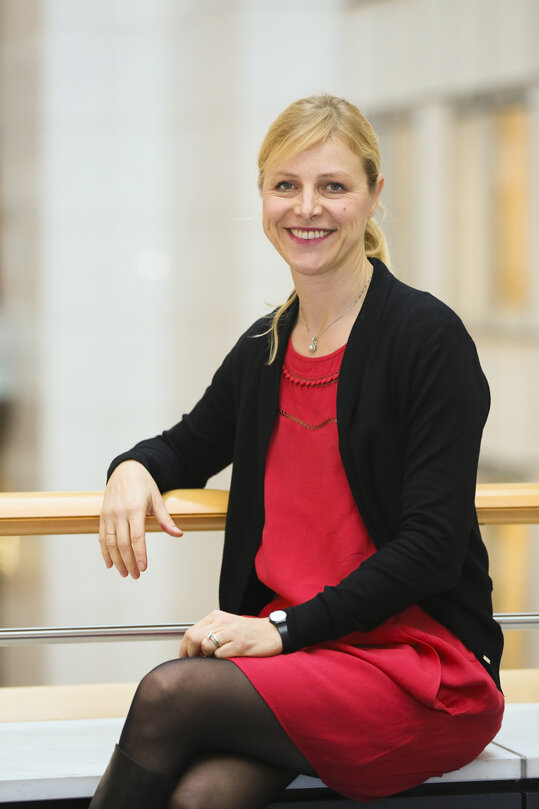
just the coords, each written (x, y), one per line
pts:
(39, 513)
(36, 513)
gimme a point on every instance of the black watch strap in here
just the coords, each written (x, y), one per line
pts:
(278, 619)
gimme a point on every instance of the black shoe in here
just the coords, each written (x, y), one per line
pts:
(126, 784)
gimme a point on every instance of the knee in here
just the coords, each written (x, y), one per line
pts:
(188, 797)
(160, 687)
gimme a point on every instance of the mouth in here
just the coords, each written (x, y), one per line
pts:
(308, 235)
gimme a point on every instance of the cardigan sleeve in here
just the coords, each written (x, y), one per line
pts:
(446, 407)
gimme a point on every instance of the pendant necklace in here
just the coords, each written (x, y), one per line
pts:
(315, 338)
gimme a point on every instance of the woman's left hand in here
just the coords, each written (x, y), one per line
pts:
(234, 636)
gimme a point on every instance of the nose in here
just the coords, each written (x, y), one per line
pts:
(308, 204)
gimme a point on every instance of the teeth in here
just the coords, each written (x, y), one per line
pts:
(309, 234)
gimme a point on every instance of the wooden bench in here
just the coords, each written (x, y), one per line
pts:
(55, 741)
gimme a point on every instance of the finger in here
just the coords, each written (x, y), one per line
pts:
(125, 549)
(111, 542)
(226, 650)
(189, 646)
(162, 516)
(103, 542)
(197, 644)
(226, 647)
(193, 637)
(212, 643)
(193, 646)
(207, 648)
(137, 524)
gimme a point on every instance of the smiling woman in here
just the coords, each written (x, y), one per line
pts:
(355, 637)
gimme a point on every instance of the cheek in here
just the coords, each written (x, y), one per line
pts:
(268, 216)
(266, 223)
(270, 231)
(274, 209)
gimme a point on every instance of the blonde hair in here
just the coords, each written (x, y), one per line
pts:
(304, 124)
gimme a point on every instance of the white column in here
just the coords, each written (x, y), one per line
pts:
(111, 342)
(431, 197)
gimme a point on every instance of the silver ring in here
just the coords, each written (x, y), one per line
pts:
(215, 640)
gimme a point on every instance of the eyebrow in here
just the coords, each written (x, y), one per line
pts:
(325, 175)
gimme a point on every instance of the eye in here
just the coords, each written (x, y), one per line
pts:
(335, 188)
(284, 185)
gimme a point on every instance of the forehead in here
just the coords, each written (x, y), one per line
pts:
(333, 156)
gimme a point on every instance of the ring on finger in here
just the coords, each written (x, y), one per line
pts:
(111, 532)
(214, 639)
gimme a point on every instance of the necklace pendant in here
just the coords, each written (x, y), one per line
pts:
(314, 345)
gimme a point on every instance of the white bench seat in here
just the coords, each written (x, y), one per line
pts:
(46, 760)
(520, 732)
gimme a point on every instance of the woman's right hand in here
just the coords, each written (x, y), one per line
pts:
(130, 496)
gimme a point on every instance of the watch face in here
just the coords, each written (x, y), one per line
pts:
(277, 615)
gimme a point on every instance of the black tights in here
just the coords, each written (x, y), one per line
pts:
(201, 721)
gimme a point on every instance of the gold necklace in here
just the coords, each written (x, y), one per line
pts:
(315, 338)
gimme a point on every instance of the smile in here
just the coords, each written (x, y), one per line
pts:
(308, 235)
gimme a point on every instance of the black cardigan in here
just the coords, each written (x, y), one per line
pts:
(412, 401)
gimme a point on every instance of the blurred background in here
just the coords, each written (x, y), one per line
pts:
(132, 255)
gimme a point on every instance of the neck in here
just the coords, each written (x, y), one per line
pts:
(324, 299)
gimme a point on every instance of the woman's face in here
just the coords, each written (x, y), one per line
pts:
(315, 208)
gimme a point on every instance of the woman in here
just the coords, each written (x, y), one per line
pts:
(356, 638)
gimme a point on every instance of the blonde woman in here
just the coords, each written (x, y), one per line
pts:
(355, 638)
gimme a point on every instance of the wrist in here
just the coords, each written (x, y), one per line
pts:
(279, 620)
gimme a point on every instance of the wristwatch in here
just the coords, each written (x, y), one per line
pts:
(278, 619)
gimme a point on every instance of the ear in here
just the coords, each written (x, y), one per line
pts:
(376, 194)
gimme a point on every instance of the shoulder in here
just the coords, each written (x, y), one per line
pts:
(251, 348)
(255, 342)
(413, 318)
(420, 313)
(412, 329)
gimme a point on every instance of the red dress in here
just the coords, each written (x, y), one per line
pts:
(374, 712)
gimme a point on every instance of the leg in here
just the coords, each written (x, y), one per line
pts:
(223, 781)
(126, 784)
(188, 710)
(185, 708)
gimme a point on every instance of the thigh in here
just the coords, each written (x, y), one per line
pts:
(190, 707)
(242, 722)
(224, 781)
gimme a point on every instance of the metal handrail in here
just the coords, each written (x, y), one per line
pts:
(517, 620)
(23, 636)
